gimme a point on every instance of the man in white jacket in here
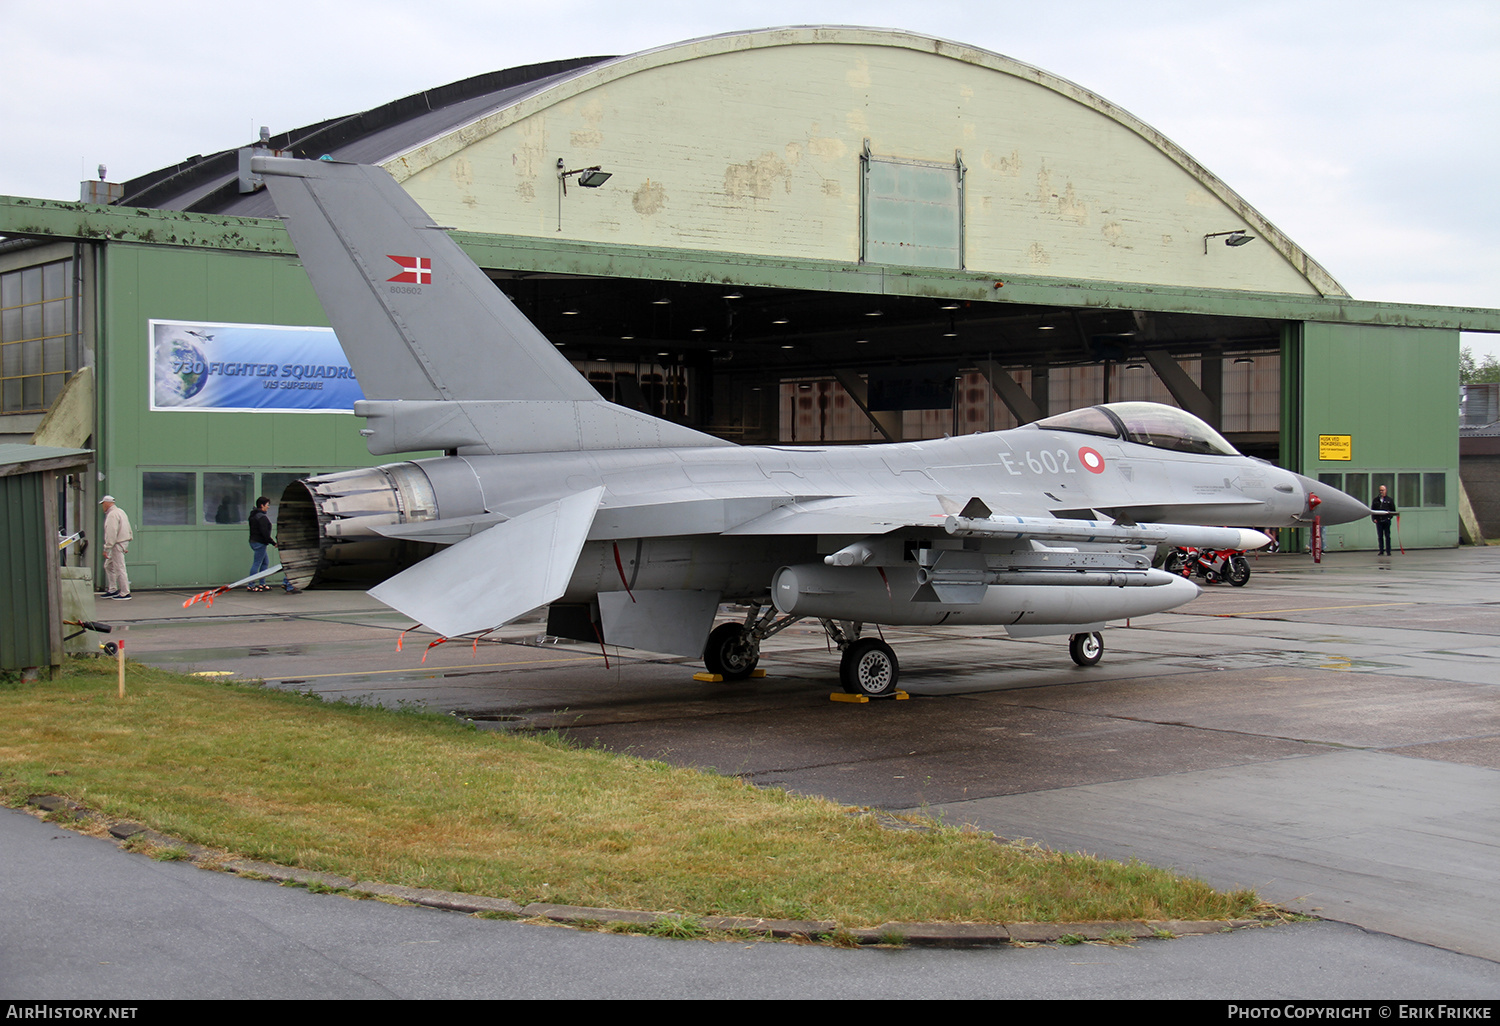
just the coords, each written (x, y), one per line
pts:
(116, 544)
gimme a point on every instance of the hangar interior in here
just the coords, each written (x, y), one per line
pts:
(818, 235)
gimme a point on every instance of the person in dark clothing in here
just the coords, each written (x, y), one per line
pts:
(1384, 508)
(260, 537)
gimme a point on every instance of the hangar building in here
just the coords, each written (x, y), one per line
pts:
(813, 235)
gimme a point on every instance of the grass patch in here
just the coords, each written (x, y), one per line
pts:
(416, 799)
(171, 854)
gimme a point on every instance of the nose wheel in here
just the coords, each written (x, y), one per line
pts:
(869, 668)
(1086, 649)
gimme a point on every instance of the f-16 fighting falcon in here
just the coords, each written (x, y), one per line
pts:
(634, 529)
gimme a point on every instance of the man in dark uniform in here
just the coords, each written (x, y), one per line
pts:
(1384, 508)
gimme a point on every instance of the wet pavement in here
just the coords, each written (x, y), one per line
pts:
(1326, 734)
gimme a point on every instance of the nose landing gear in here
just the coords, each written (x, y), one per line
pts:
(1086, 649)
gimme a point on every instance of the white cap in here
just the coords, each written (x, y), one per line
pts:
(107, 498)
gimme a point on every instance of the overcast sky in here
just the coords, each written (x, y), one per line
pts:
(1368, 131)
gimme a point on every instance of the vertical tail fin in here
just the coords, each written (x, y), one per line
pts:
(445, 360)
(417, 318)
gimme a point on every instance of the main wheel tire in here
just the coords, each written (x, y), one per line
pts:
(1238, 571)
(730, 652)
(110, 648)
(869, 667)
(1173, 562)
(1086, 649)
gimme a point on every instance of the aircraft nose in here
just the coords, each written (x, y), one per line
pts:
(1335, 507)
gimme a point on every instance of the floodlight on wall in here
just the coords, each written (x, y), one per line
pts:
(588, 177)
(1233, 239)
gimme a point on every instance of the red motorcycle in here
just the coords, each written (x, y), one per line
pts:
(1212, 565)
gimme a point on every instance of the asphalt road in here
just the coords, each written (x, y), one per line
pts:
(83, 919)
(1327, 735)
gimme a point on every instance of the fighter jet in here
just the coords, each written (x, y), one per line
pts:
(633, 530)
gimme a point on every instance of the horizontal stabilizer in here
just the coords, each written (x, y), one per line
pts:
(499, 574)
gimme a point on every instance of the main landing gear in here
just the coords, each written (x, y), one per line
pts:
(867, 666)
(733, 649)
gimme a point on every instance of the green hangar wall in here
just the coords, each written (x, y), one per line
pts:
(1394, 393)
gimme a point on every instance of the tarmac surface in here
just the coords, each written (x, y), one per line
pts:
(83, 920)
(1326, 734)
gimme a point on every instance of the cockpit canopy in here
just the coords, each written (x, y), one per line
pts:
(1162, 427)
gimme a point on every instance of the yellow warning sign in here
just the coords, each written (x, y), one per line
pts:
(1335, 447)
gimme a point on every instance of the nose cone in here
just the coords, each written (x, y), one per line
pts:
(1336, 507)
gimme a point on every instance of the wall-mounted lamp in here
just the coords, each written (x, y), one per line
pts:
(588, 177)
(1236, 238)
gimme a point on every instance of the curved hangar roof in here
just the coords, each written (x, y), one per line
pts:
(768, 143)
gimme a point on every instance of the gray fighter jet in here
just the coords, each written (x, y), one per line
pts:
(634, 529)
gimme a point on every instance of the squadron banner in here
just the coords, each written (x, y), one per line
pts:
(249, 367)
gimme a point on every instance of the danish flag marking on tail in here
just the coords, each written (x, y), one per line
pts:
(414, 270)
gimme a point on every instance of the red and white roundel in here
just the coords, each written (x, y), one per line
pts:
(1091, 460)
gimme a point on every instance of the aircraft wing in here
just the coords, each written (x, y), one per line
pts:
(498, 574)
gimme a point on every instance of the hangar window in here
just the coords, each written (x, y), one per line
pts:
(1434, 489)
(911, 211)
(227, 497)
(38, 339)
(1408, 490)
(168, 497)
(1411, 490)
